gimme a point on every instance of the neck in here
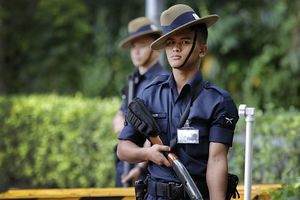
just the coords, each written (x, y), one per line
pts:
(144, 68)
(184, 74)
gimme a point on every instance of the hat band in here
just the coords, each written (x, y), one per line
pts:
(179, 21)
(141, 29)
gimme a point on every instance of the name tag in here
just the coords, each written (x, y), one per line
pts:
(188, 136)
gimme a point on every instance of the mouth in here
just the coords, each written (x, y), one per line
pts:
(176, 57)
(136, 59)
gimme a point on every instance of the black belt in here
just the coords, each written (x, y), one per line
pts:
(173, 190)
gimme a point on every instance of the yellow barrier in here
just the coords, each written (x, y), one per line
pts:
(110, 193)
(261, 191)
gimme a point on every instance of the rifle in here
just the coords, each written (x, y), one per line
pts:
(130, 93)
(141, 119)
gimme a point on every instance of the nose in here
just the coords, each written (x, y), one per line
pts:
(135, 50)
(177, 47)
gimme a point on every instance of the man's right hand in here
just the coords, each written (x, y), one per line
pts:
(130, 152)
(155, 154)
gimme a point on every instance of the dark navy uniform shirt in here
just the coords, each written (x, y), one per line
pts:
(141, 81)
(213, 113)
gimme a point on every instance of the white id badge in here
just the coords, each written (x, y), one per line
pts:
(188, 136)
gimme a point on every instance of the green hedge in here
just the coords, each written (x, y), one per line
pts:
(276, 147)
(290, 190)
(55, 141)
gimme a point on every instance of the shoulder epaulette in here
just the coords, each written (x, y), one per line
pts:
(221, 91)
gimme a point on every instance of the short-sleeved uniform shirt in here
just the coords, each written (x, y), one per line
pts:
(213, 113)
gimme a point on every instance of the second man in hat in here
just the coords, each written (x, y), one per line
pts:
(142, 32)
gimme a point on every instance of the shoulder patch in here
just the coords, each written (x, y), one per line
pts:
(228, 120)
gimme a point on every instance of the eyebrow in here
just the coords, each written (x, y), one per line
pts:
(186, 38)
(182, 38)
(140, 42)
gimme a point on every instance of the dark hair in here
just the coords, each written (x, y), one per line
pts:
(155, 36)
(202, 32)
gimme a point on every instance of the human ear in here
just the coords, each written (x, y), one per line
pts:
(203, 50)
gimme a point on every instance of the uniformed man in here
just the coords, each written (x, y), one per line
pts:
(212, 115)
(142, 32)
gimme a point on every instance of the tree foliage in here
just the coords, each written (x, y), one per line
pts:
(72, 46)
(45, 44)
(256, 51)
(63, 46)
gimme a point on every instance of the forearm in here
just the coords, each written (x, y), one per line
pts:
(130, 152)
(216, 174)
(145, 163)
(216, 178)
(118, 122)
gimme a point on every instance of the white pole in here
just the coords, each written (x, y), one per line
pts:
(249, 114)
(153, 10)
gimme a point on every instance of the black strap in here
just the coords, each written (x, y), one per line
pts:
(187, 109)
(191, 51)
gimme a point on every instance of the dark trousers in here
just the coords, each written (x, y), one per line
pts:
(119, 172)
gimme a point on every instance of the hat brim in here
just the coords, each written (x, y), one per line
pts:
(126, 43)
(160, 43)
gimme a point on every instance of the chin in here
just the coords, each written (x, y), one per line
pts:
(175, 66)
(137, 63)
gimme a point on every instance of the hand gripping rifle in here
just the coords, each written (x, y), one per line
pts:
(141, 119)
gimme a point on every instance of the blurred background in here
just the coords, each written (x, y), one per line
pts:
(61, 73)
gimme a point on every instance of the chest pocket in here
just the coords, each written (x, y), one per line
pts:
(162, 121)
(199, 150)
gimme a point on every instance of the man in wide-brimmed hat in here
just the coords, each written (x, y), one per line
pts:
(203, 137)
(142, 32)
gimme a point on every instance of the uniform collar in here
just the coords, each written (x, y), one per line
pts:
(189, 87)
(195, 81)
(171, 82)
(149, 73)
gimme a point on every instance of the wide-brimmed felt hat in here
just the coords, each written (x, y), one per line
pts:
(139, 27)
(177, 18)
